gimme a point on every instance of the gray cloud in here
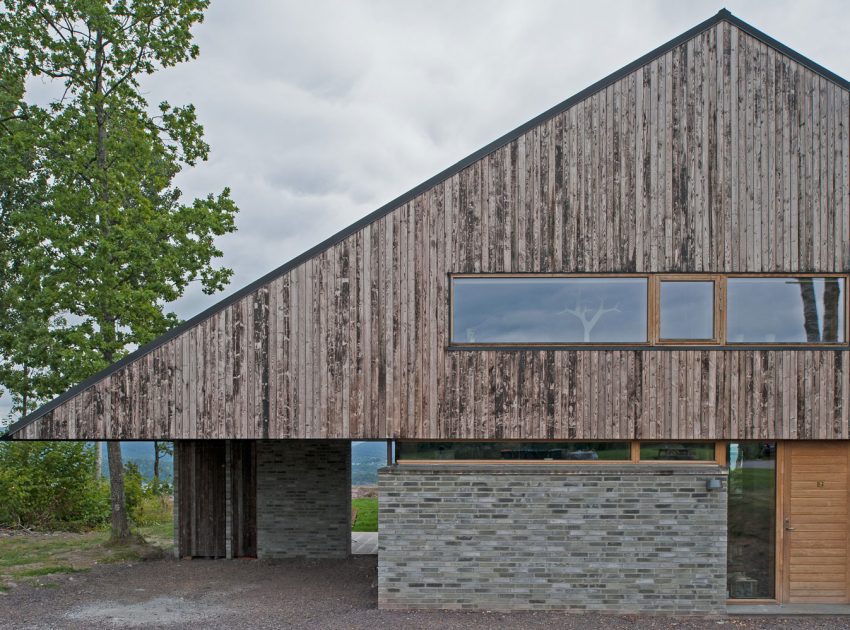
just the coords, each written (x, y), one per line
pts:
(320, 112)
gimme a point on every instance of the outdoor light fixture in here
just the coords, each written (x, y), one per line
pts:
(713, 484)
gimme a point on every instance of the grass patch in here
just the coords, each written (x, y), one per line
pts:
(48, 570)
(28, 556)
(367, 515)
(34, 549)
(159, 531)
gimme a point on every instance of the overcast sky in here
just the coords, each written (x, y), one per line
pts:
(319, 112)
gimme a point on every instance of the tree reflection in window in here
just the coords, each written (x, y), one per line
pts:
(549, 310)
(786, 310)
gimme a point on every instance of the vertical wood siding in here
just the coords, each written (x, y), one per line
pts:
(721, 155)
(200, 476)
(243, 498)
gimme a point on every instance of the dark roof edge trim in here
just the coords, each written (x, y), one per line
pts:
(764, 38)
(722, 15)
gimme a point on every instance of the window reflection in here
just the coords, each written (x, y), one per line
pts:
(555, 451)
(751, 519)
(677, 451)
(785, 310)
(549, 310)
(687, 310)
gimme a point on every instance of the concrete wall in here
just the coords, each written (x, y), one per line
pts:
(303, 499)
(625, 538)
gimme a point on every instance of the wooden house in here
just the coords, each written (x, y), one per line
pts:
(611, 348)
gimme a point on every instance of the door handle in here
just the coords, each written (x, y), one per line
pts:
(788, 527)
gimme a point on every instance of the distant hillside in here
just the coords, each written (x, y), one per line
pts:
(141, 454)
(366, 458)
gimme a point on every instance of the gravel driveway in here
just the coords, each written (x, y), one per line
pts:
(243, 594)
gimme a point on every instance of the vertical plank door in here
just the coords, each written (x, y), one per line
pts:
(815, 521)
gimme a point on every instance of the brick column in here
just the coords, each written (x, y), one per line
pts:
(304, 499)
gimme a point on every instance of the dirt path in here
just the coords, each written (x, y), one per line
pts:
(292, 594)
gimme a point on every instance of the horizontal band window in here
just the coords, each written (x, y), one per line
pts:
(424, 452)
(648, 309)
(524, 451)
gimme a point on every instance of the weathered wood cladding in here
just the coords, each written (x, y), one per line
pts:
(242, 463)
(722, 155)
(200, 478)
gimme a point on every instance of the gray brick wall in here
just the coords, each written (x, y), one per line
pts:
(639, 538)
(303, 499)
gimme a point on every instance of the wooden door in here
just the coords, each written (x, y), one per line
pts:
(243, 498)
(816, 482)
(200, 480)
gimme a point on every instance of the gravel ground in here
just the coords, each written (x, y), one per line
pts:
(247, 594)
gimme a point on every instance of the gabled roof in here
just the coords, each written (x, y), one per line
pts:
(722, 15)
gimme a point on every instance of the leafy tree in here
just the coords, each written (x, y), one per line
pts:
(134, 486)
(30, 365)
(49, 485)
(100, 240)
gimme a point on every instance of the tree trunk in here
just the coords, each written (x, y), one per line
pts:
(810, 310)
(120, 523)
(98, 458)
(831, 312)
(156, 461)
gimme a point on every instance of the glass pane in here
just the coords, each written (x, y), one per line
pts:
(549, 310)
(687, 310)
(751, 535)
(786, 310)
(677, 451)
(514, 450)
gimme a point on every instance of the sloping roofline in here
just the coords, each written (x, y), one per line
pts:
(720, 16)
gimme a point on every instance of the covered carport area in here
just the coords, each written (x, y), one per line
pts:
(266, 499)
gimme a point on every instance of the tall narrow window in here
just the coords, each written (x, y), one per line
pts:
(786, 310)
(686, 310)
(751, 520)
(556, 310)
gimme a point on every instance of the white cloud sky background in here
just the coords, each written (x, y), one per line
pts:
(320, 112)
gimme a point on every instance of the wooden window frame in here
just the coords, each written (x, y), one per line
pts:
(653, 305)
(718, 308)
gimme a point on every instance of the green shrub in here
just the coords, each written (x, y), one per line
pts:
(154, 510)
(51, 485)
(133, 489)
